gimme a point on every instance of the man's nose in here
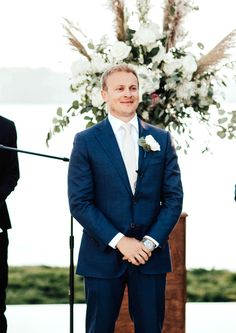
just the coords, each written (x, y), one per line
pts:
(128, 92)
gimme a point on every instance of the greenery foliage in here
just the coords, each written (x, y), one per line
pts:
(211, 285)
(50, 285)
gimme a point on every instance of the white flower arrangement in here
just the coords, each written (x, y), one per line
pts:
(175, 84)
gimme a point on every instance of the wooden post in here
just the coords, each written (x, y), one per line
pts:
(176, 281)
(175, 290)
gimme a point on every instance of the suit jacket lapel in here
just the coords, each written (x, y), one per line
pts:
(107, 139)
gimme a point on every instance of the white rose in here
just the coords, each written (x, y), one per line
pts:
(147, 34)
(154, 145)
(96, 97)
(144, 36)
(145, 115)
(120, 51)
(80, 67)
(155, 28)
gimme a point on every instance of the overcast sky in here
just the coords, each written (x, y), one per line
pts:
(31, 31)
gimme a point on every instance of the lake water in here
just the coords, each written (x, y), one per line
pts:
(200, 318)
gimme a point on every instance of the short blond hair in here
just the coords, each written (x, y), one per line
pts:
(114, 69)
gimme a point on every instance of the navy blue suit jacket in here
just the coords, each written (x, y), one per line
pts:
(101, 199)
(9, 168)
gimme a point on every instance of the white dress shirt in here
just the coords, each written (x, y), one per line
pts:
(116, 125)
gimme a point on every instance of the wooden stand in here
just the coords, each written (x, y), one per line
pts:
(175, 290)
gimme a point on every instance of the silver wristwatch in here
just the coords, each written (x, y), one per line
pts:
(148, 244)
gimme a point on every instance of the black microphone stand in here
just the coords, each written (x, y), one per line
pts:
(71, 240)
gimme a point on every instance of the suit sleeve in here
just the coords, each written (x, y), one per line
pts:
(81, 195)
(9, 167)
(171, 196)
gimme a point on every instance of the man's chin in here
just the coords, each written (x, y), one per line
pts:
(129, 108)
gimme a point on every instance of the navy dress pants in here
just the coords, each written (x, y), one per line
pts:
(146, 301)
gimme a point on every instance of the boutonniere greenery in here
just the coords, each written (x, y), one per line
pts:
(149, 143)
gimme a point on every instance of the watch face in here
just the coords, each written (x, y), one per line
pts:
(149, 244)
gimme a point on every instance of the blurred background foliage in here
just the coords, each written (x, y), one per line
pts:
(50, 285)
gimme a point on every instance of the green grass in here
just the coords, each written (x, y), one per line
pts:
(50, 285)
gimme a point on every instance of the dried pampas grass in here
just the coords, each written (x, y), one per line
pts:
(171, 22)
(73, 40)
(117, 7)
(217, 54)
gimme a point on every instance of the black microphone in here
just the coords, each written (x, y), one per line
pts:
(140, 173)
(33, 153)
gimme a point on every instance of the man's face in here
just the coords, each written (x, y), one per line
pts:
(122, 95)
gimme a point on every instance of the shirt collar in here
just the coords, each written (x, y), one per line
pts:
(117, 123)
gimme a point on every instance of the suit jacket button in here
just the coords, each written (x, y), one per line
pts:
(132, 225)
(134, 200)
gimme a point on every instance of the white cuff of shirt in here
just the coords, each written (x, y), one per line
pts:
(152, 239)
(1, 230)
(115, 240)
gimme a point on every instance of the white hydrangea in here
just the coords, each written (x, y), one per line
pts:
(171, 65)
(78, 80)
(170, 83)
(96, 97)
(98, 64)
(149, 80)
(189, 65)
(80, 67)
(186, 90)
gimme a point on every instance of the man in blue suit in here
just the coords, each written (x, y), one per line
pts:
(125, 190)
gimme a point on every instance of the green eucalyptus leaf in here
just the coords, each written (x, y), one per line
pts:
(88, 118)
(90, 46)
(222, 120)
(154, 51)
(221, 112)
(57, 129)
(221, 134)
(200, 45)
(75, 105)
(59, 111)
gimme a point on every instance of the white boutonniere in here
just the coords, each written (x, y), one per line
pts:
(149, 143)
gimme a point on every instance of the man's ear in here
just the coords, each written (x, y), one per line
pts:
(104, 95)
